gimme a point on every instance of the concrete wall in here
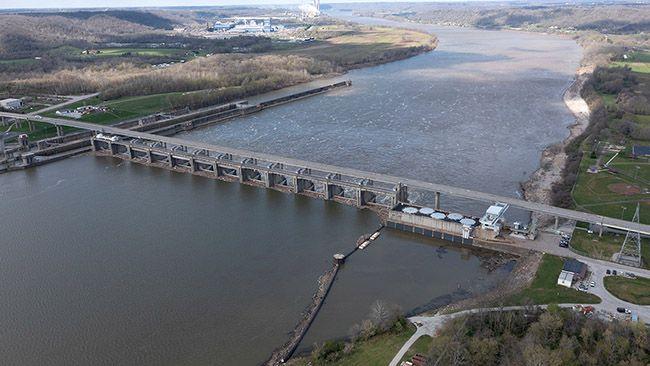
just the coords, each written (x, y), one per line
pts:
(429, 233)
(451, 227)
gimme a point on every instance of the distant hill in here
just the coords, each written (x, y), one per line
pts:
(606, 18)
(28, 34)
(145, 18)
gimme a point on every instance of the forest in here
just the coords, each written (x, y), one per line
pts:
(538, 337)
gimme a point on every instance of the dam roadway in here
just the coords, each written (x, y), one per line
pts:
(328, 170)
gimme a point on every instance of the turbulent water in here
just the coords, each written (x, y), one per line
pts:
(475, 113)
(109, 263)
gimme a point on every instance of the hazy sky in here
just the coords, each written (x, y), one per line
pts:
(8, 4)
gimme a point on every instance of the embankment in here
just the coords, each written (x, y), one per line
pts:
(283, 353)
(539, 187)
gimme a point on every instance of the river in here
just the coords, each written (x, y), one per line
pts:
(110, 263)
(476, 113)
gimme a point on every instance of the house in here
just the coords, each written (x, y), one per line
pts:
(572, 270)
(11, 103)
(639, 151)
(576, 267)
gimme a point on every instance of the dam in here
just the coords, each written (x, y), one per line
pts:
(347, 185)
(184, 264)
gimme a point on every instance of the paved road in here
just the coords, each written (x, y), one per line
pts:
(549, 243)
(378, 178)
(546, 243)
(71, 99)
(431, 325)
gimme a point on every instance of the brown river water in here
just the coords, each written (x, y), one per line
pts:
(104, 262)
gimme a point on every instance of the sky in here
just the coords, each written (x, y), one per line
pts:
(9, 4)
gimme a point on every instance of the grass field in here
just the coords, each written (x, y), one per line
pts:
(378, 350)
(156, 52)
(545, 290)
(41, 130)
(75, 53)
(592, 245)
(637, 61)
(615, 194)
(123, 108)
(594, 192)
(596, 247)
(421, 346)
(119, 110)
(19, 61)
(361, 46)
(636, 291)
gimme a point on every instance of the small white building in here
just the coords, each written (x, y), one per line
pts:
(571, 270)
(491, 220)
(565, 279)
(11, 103)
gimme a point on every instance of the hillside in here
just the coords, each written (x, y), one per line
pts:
(604, 18)
(30, 34)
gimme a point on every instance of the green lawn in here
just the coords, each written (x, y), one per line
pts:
(637, 61)
(421, 346)
(640, 67)
(378, 350)
(638, 169)
(18, 61)
(608, 99)
(592, 245)
(545, 290)
(41, 130)
(636, 291)
(159, 52)
(119, 110)
(593, 192)
(75, 53)
(123, 108)
(595, 246)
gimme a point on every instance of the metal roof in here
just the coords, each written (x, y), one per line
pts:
(640, 150)
(573, 265)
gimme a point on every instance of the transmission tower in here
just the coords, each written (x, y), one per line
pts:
(630, 253)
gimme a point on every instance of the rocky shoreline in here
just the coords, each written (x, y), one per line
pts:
(539, 187)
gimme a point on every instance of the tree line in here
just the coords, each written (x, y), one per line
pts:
(606, 123)
(561, 337)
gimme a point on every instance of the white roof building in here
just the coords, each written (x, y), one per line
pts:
(565, 279)
(11, 103)
(493, 215)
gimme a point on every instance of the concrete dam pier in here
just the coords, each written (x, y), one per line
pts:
(346, 185)
(268, 174)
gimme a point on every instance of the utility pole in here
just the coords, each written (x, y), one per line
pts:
(630, 253)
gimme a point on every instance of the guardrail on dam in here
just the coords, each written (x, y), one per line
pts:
(299, 176)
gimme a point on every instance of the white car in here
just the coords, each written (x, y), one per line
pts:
(592, 284)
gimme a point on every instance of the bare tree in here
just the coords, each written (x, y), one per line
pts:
(380, 314)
